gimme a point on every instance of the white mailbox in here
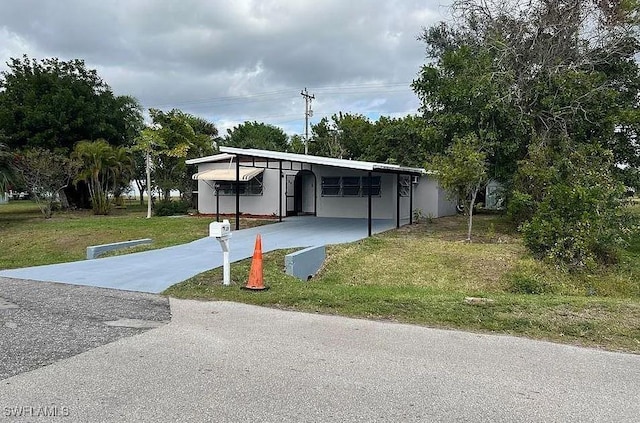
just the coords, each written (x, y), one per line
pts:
(222, 232)
(220, 229)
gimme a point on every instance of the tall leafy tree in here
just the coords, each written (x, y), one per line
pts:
(174, 137)
(536, 82)
(53, 104)
(257, 135)
(398, 141)
(345, 135)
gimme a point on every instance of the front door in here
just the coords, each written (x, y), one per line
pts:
(305, 193)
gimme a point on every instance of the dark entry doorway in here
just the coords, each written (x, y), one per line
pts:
(303, 186)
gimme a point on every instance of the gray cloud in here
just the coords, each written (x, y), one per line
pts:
(231, 61)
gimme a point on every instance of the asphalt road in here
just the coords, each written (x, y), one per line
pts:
(227, 362)
(41, 322)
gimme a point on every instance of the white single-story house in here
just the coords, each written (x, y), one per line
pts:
(262, 182)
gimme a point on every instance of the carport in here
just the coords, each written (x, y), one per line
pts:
(265, 159)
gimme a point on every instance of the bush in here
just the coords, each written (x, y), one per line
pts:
(529, 284)
(578, 226)
(170, 208)
(521, 207)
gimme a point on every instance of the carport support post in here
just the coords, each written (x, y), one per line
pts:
(217, 188)
(397, 200)
(237, 192)
(369, 205)
(410, 200)
(280, 192)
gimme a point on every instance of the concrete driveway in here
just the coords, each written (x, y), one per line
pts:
(226, 362)
(154, 271)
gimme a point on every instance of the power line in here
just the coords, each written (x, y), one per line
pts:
(270, 95)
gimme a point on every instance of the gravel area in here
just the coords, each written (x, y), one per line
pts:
(42, 322)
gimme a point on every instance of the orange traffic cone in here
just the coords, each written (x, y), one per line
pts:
(256, 280)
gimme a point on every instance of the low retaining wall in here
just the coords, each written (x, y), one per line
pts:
(96, 250)
(304, 264)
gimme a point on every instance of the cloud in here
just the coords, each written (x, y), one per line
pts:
(236, 61)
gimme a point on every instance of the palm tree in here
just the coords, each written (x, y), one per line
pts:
(123, 172)
(7, 173)
(98, 170)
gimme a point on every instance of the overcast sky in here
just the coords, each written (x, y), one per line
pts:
(236, 60)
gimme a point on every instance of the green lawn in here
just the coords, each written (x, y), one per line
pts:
(419, 274)
(26, 239)
(422, 274)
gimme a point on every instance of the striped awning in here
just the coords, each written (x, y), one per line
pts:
(246, 173)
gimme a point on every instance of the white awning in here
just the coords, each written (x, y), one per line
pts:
(246, 173)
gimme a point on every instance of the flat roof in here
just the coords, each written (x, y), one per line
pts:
(211, 159)
(304, 158)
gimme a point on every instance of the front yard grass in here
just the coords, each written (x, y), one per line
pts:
(422, 274)
(26, 239)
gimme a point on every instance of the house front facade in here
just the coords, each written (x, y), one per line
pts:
(261, 182)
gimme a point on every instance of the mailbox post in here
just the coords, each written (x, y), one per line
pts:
(222, 232)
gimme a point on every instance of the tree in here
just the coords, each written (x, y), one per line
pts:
(462, 93)
(98, 167)
(345, 136)
(579, 222)
(296, 144)
(537, 82)
(123, 172)
(463, 172)
(398, 141)
(54, 104)
(7, 168)
(257, 135)
(46, 174)
(176, 139)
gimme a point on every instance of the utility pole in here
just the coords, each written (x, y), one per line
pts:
(307, 114)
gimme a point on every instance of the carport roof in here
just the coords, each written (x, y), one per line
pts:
(227, 153)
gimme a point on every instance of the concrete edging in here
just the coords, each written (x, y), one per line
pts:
(94, 251)
(304, 264)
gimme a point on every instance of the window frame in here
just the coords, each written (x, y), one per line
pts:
(254, 187)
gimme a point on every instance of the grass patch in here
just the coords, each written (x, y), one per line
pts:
(26, 239)
(422, 273)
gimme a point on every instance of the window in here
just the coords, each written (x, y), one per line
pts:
(330, 186)
(251, 187)
(375, 185)
(350, 186)
(405, 185)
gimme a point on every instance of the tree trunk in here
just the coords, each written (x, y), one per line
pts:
(64, 202)
(473, 202)
(78, 195)
(141, 190)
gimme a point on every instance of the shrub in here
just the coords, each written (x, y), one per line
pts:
(170, 208)
(521, 207)
(577, 226)
(529, 284)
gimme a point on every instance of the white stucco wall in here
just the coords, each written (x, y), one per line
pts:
(382, 207)
(265, 204)
(431, 199)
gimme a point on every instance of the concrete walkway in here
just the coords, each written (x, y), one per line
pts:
(154, 271)
(226, 362)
